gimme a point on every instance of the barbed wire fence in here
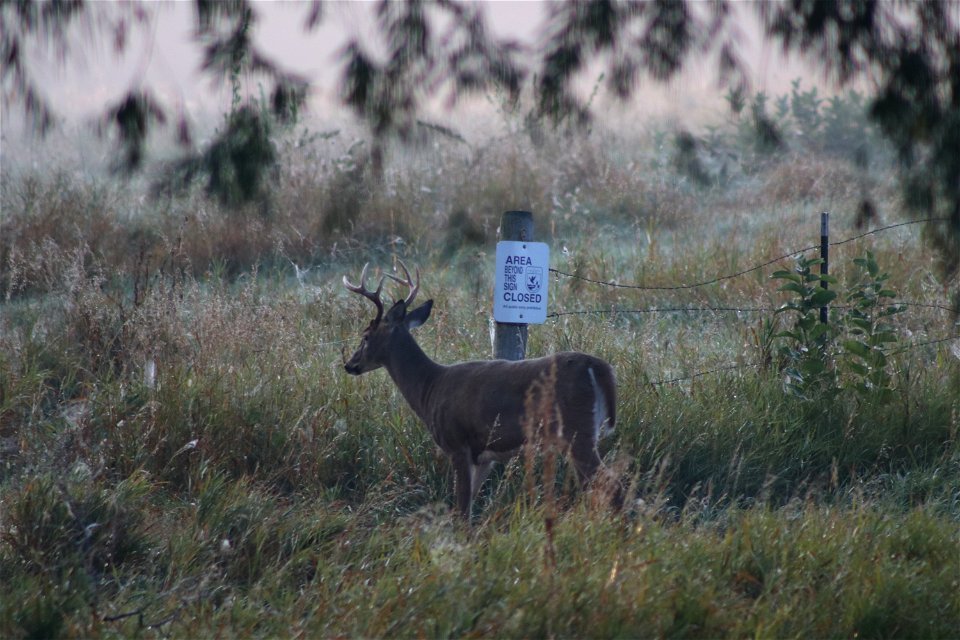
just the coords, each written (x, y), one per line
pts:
(613, 310)
(679, 287)
(750, 365)
(625, 311)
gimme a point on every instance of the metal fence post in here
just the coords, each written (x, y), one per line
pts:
(510, 340)
(825, 256)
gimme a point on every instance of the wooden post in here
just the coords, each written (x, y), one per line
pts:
(825, 256)
(510, 340)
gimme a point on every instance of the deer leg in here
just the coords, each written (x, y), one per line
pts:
(480, 473)
(464, 470)
(586, 460)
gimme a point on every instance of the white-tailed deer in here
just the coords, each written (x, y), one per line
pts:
(475, 410)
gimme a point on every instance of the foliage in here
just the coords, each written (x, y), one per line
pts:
(918, 101)
(861, 330)
(807, 341)
(767, 138)
(389, 95)
(224, 32)
(779, 130)
(909, 50)
(181, 453)
(237, 164)
(871, 335)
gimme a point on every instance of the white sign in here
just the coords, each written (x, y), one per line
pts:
(520, 286)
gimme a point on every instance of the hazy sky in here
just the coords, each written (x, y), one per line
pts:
(163, 56)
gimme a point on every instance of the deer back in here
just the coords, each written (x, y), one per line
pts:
(482, 405)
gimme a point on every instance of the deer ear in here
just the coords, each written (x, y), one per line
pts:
(396, 312)
(419, 315)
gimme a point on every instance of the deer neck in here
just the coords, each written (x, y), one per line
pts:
(413, 372)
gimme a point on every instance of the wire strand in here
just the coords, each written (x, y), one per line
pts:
(615, 310)
(678, 287)
(657, 383)
(886, 228)
(704, 283)
(734, 367)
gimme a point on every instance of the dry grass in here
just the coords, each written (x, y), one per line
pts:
(181, 453)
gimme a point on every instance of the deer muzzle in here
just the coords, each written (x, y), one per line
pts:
(353, 366)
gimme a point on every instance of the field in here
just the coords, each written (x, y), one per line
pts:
(182, 454)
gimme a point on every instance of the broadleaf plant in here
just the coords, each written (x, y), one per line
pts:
(805, 347)
(821, 359)
(869, 332)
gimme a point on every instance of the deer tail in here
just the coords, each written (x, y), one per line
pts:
(604, 399)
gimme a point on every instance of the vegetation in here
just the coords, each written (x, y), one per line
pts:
(445, 49)
(181, 453)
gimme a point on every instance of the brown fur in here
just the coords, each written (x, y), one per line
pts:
(474, 410)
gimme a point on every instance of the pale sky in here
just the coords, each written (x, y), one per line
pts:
(164, 57)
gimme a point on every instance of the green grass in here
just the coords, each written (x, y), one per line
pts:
(254, 489)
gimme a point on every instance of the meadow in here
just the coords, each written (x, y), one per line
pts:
(182, 454)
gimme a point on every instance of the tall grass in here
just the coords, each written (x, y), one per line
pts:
(181, 453)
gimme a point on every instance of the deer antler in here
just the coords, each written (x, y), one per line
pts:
(414, 286)
(373, 296)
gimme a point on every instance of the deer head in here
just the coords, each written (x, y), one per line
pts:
(379, 339)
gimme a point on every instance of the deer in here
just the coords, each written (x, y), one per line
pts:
(475, 410)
